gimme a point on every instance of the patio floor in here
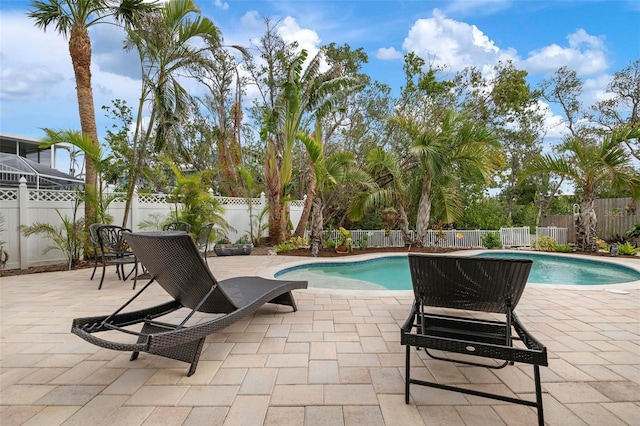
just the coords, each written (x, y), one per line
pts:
(337, 361)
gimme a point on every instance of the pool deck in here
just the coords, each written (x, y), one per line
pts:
(336, 361)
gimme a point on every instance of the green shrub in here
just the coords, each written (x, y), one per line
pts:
(491, 240)
(329, 244)
(634, 232)
(297, 242)
(244, 240)
(223, 240)
(603, 245)
(564, 248)
(362, 243)
(545, 243)
(283, 248)
(628, 249)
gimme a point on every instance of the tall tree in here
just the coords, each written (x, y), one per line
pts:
(307, 93)
(455, 149)
(623, 106)
(72, 19)
(592, 167)
(165, 42)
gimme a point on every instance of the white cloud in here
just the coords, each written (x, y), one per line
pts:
(306, 38)
(446, 42)
(24, 75)
(251, 20)
(386, 53)
(586, 54)
(221, 5)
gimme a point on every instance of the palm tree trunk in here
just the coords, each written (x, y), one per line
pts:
(274, 197)
(424, 213)
(80, 52)
(587, 225)
(404, 226)
(317, 224)
(306, 210)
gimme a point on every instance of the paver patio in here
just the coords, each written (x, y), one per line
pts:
(337, 361)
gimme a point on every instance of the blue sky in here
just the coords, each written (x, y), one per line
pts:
(595, 38)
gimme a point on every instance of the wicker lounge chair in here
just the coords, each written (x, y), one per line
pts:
(471, 284)
(175, 264)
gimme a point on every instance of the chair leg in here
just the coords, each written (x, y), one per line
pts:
(407, 375)
(95, 264)
(536, 374)
(104, 267)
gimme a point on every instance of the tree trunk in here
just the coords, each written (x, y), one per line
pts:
(404, 226)
(586, 228)
(306, 210)
(80, 52)
(317, 221)
(424, 213)
(274, 197)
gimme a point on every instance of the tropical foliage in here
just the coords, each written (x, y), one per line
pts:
(449, 150)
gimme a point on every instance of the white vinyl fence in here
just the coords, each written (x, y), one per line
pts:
(24, 206)
(450, 238)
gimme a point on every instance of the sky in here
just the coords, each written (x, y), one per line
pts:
(594, 38)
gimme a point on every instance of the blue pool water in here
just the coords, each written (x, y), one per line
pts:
(392, 273)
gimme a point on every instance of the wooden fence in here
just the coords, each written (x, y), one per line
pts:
(615, 217)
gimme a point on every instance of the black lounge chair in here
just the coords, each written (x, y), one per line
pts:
(174, 262)
(471, 284)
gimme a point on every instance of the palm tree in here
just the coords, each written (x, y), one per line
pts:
(98, 157)
(72, 19)
(592, 167)
(388, 188)
(456, 149)
(328, 173)
(303, 94)
(164, 41)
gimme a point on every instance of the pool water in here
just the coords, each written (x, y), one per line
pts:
(392, 273)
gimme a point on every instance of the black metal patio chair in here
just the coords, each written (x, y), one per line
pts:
(175, 264)
(95, 241)
(114, 251)
(444, 287)
(177, 226)
(202, 239)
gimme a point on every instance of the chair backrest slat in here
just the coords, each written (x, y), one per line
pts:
(172, 258)
(471, 283)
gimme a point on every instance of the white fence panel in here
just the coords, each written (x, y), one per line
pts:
(25, 206)
(515, 237)
(558, 234)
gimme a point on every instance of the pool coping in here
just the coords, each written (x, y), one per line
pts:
(615, 288)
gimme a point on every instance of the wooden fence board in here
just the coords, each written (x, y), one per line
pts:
(615, 217)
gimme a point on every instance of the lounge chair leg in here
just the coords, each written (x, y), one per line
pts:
(407, 377)
(285, 299)
(536, 375)
(134, 356)
(196, 358)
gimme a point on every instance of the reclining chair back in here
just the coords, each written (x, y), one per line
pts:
(478, 284)
(189, 279)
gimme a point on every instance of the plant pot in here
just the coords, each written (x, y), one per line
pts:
(232, 249)
(342, 249)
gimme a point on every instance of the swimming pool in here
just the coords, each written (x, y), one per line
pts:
(392, 272)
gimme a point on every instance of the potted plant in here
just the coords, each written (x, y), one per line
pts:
(344, 241)
(224, 247)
